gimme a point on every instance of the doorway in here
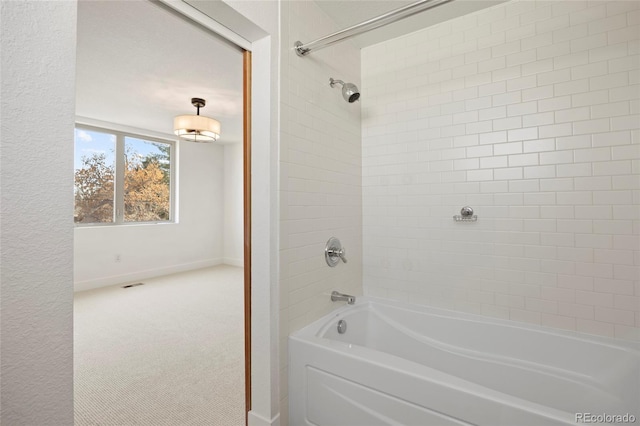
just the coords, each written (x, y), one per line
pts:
(116, 260)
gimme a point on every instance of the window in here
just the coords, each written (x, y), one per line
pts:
(122, 178)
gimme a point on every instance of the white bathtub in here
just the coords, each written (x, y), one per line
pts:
(399, 364)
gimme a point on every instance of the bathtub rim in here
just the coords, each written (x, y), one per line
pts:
(317, 328)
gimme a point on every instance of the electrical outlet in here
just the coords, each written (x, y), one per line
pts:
(118, 258)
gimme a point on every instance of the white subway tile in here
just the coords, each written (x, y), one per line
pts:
(591, 298)
(628, 93)
(575, 282)
(555, 130)
(493, 162)
(536, 172)
(507, 123)
(573, 142)
(590, 42)
(492, 113)
(520, 58)
(523, 160)
(598, 125)
(621, 227)
(560, 20)
(611, 168)
(542, 92)
(594, 241)
(594, 212)
(576, 311)
(623, 34)
(607, 24)
(554, 104)
(479, 175)
(539, 145)
(572, 60)
(504, 49)
(556, 184)
(572, 114)
(590, 98)
(506, 98)
(529, 185)
(611, 138)
(575, 225)
(615, 316)
(534, 68)
(588, 15)
(538, 119)
(610, 110)
(508, 174)
(494, 137)
(626, 63)
(625, 272)
(571, 87)
(613, 197)
(575, 198)
(467, 140)
(626, 182)
(556, 157)
(559, 49)
(609, 81)
(570, 33)
(522, 108)
(574, 170)
(552, 77)
(609, 52)
(621, 257)
(599, 183)
(627, 122)
(535, 41)
(592, 155)
(626, 152)
(564, 212)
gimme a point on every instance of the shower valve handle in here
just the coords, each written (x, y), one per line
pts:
(334, 252)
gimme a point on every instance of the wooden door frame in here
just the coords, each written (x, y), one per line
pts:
(246, 98)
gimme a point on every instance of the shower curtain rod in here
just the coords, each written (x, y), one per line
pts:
(371, 24)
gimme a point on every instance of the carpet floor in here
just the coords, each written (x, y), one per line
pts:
(169, 352)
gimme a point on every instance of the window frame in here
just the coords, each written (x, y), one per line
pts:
(119, 176)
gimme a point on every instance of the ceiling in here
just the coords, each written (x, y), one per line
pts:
(139, 65)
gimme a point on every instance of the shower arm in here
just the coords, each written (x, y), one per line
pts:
(303, 49)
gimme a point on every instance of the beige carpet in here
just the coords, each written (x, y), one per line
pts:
(170, 352)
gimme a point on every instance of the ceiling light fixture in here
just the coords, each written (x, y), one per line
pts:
(197, 128)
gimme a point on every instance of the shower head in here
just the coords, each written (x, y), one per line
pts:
(350, 91)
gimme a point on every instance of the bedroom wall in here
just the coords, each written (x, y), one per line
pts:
(529, 113)
(148, 250)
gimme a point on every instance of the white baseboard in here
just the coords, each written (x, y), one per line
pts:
(257, 420)
(233, 262)
(143, 275)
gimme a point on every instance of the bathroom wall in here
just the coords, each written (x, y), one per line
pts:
(529, 113)
(36, 281)
(320, 175)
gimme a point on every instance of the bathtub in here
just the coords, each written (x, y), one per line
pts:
(399, 364)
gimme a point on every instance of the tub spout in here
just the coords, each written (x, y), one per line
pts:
(339, 297)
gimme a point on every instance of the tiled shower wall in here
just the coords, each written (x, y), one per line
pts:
(320, 175)
(527, 112)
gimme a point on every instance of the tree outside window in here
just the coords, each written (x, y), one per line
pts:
(136, 189)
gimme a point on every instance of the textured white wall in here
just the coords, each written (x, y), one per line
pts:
(528, 112)
(320, 174)
(38, 65)
(152, 250)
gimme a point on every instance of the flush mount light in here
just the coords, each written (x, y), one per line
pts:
(197, 128)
